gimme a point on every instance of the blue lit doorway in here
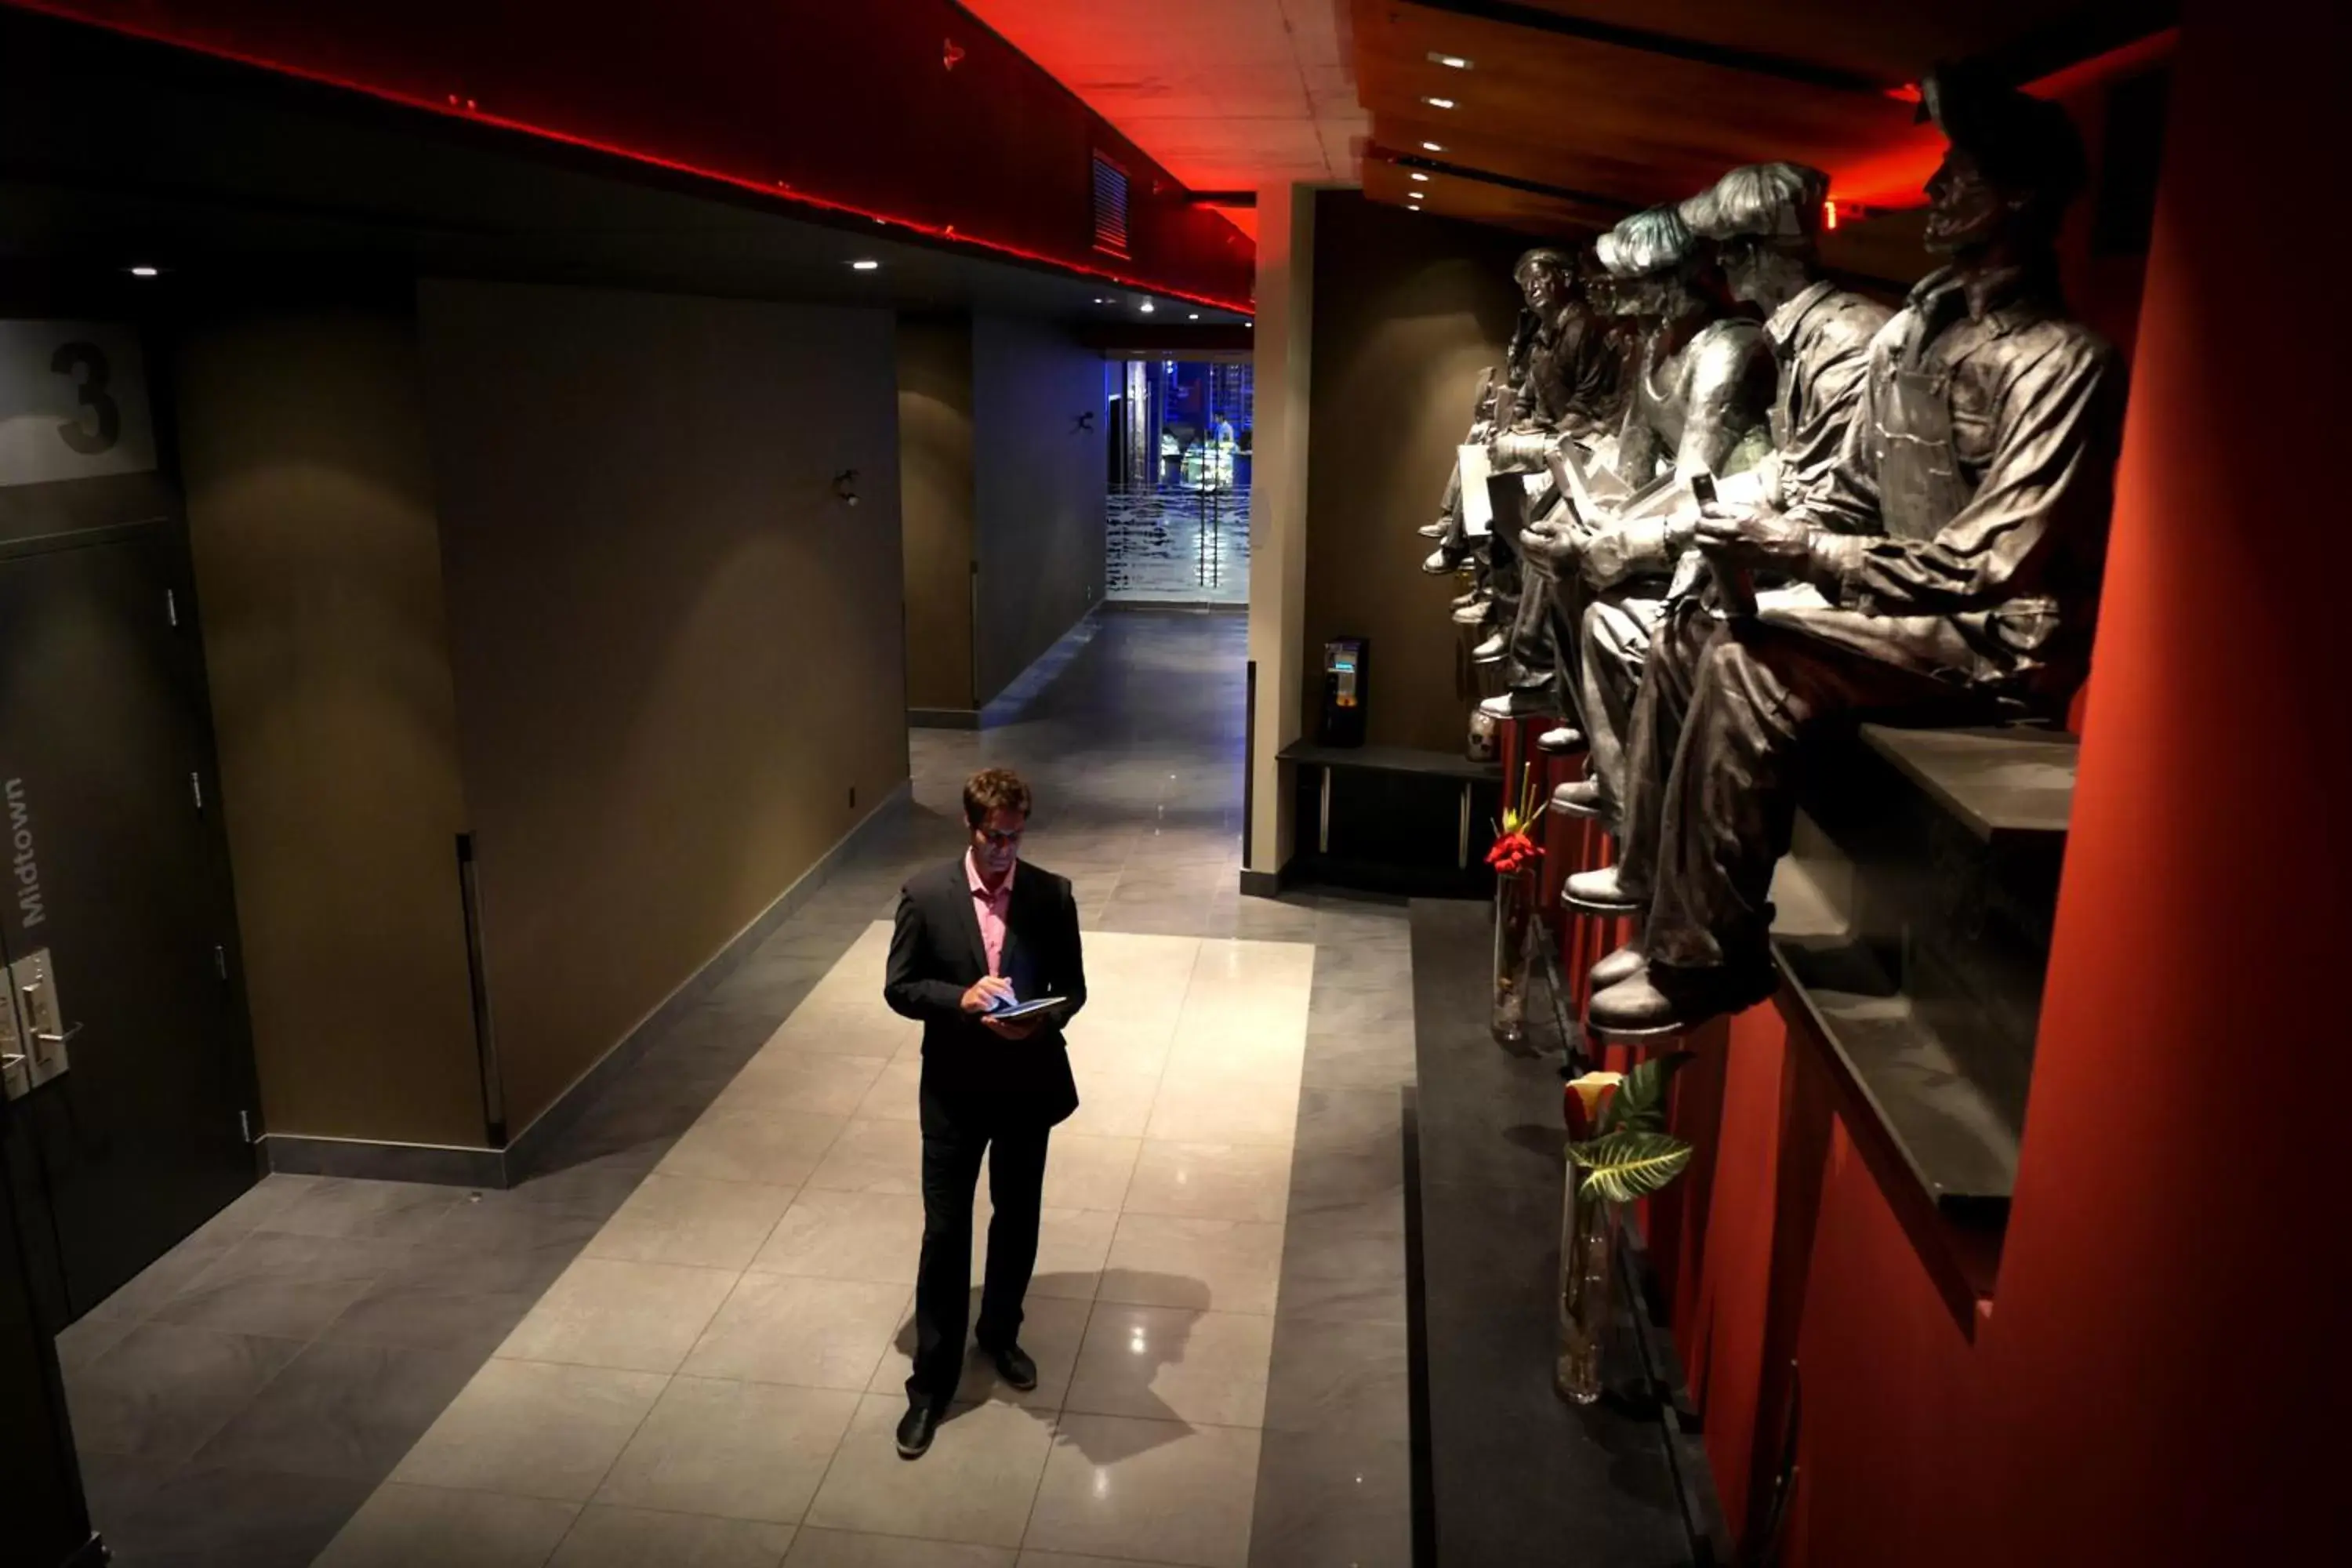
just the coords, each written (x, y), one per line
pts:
(1178, 476)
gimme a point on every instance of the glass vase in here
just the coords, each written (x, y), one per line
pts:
(1586, 1241)
(1515, 929)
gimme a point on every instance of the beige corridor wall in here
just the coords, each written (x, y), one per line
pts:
(1040, 489)
(678, 655)
(935, 466)
(1408, 309)
(310, 510)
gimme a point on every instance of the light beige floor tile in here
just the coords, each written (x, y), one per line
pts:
(1051, 1332)
(532, 1430)
(876, 1236)
(974, 1485)
(738, 1450)
(1110, 1104)
(752, 1143)
(686, 1219)
(1088, 1172)
(1166, 1364)
(1255, 1049)
(897, 1095)
(1205, 1106)
(804, 1083)
(815, 1334)
(1211, 1181)
(1283, 966)
(1152, 1490)
(1064, 1560)
(1072, 1245)
(910, 1046)
(603, 1313)
(1206, 1264)
(840, 1032)
(635, 1538)
(401, 1526)
(873, 1157)
(1114, 1043)
(843, 1548)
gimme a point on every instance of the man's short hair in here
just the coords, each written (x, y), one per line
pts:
(993, 790)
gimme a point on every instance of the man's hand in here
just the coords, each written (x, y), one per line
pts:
(1746, 536)
(981, 998)
(1018, 1030)
(1552, 546)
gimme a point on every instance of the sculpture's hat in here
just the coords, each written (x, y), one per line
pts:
(1543, 256)
(1772, 201)
(2020, 142)
(1656, 240)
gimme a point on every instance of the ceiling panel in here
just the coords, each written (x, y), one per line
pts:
(1645, 102)
(1889, 43)
(1482, 201)
(1228, 94)
(1547, 88)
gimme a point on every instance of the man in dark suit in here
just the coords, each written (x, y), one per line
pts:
(973, 936)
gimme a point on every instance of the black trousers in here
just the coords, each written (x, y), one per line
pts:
(1712, 768)
(1016, 1179)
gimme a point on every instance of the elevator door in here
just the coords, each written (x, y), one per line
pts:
(117, 926)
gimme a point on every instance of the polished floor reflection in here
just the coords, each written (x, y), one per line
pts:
(729, 1349)
(681, 1341)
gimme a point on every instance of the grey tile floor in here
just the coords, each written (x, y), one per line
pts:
(242, 1399)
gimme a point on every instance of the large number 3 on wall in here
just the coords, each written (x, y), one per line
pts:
(90, 361)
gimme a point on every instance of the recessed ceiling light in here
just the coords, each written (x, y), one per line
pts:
(1194, 317)
(1438, 103)
(1451, 62)
(865, 267)
(144, 272)
(1148, 307)
(1431, 147)
(1419, 178)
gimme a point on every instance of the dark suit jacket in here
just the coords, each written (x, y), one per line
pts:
(970, 1077)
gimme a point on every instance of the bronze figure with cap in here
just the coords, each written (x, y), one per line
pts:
(1956, 542)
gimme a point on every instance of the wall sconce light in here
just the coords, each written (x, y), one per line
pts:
(1084, 422)
(951, 54)
(845, 485)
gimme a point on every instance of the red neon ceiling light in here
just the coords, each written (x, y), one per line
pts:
(455, 106)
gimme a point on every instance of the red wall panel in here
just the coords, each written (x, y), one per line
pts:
(912, 112)
(2162, 1350)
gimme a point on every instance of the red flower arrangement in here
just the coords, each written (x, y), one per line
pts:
(1514, 851)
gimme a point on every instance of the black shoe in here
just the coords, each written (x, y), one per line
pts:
(1013, 1365)
(916, 1428)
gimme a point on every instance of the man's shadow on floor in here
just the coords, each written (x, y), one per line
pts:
(1183, 1301)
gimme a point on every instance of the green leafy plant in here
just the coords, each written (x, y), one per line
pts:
(1623, 1166)
(1630, 1155)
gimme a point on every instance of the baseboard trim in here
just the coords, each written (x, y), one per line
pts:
(435, 1164)
(1197, 607)
(531, 1143)
(1264, 884)
(443, 1165)
(943, 718)
(1023, 690)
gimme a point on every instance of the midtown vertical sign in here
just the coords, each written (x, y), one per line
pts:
(27, 867)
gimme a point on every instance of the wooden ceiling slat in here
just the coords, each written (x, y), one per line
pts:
(1546, 217)
(1891, 42)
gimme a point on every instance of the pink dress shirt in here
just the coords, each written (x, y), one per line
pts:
(991, 907)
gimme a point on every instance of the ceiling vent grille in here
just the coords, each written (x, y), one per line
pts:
(1110, 206)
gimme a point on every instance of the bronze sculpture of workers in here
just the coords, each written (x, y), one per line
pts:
(1700, 401)
(1574, 373)
(1763, 223)
(1958, 541)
